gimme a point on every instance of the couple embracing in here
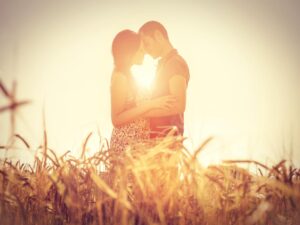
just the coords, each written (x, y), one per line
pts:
(136, 116)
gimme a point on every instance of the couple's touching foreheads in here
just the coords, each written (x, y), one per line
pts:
(136, 116)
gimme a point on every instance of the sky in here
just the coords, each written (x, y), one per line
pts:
(243, 58)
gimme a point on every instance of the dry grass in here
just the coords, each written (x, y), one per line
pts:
(153, 183)
(149, 184)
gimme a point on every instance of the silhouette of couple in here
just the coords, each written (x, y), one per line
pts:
(137, 116)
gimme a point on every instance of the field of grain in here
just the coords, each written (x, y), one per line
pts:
(151, 183)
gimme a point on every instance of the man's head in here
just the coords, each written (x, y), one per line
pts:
(155, 38)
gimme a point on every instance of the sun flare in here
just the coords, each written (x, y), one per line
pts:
(144, 74)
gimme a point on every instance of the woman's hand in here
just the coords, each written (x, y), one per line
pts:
(164, 102)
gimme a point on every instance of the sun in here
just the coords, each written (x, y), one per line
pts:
(144, 74)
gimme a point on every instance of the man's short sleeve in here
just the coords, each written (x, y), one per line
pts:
(177, 66)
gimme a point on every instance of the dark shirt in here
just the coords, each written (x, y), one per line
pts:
(168, 66)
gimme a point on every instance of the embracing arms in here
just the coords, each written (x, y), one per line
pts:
(119, 91)
(177, 88)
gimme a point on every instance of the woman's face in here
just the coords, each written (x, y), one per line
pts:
(138, 57)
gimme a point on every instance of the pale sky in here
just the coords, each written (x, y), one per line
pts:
(243, 58)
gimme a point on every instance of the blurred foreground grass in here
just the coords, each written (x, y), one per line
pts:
(149, 184)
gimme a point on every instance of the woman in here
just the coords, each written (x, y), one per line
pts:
(128, 105)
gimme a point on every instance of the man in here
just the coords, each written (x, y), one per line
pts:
(172, 77)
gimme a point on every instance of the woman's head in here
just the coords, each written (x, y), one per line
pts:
(127, 50)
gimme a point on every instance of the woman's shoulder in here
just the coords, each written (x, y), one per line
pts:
(118, 76)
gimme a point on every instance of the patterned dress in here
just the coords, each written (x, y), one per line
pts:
(136, 131)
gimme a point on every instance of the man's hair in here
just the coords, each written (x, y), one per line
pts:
(150, 27)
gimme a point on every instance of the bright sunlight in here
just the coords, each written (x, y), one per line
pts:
(144, 74)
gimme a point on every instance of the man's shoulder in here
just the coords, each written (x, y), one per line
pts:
(177, 61)
(177, 65)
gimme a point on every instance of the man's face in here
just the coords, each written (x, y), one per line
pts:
(151, 45)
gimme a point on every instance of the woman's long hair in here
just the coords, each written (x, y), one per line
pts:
(124, 46)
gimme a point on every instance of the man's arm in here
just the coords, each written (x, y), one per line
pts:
(177, 87)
